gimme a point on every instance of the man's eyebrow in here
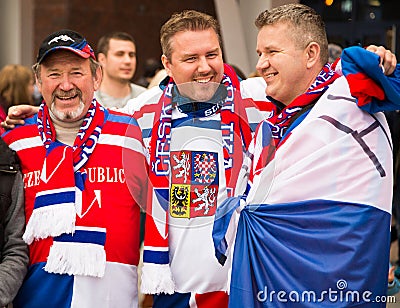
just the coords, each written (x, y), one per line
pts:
(216, 49)
(188, 55)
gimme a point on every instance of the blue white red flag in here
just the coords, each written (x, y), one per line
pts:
(315, 231)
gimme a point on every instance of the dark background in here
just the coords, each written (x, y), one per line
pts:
(142, 19)
(348, 22)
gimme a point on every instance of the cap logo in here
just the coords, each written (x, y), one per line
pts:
(62, 37)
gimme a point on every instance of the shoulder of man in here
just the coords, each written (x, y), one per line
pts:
(145, 102)
(137, 89)
(23, 133)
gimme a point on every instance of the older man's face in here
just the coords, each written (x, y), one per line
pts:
(67, 84)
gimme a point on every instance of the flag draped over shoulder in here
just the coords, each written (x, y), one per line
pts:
(373, 89)
(310, 254)
(315, 230)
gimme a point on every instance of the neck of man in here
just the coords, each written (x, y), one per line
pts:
(115, 87)
(308, 79)
(66, 131)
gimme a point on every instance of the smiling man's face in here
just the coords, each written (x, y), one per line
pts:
(196, 63)
(67, 84)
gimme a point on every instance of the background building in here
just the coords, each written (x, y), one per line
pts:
(363, 22)
(24, 24)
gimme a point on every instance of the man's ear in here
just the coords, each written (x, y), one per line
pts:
(167, 65)
(313, 52)
(38, 83)
(101, 58)
(97, 78)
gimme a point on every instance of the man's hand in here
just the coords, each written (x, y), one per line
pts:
(388, 59)
(17, 114)
(391, 274)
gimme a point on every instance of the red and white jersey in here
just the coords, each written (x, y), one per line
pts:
(196, 173)
(117, 160)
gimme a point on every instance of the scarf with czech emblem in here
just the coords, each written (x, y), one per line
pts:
(156, 274)
(76, 249)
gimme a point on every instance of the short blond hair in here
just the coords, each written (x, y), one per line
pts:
(187, 20)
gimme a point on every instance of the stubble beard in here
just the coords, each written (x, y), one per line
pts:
(67, 115)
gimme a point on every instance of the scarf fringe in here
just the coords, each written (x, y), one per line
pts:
(76, 259)
(50, 221)
(156, 279)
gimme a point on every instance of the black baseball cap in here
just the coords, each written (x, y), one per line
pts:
(68, 40)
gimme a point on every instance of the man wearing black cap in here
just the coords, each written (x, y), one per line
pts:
(81, 238)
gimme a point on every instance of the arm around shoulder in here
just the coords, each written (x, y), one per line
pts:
(17, 114)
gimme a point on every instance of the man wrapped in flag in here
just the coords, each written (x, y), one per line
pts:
(75, 156)
(195, 146)
(314, 223)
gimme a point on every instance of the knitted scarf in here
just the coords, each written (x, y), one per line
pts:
(274, 131)
(234, 127)
(76, 250)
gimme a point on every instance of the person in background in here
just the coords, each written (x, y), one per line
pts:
(116, 52)
(13, 250)
(393, 282)
(151, 68)
(83, 238)
(16, 88)
(334, 51)
(158, 77)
